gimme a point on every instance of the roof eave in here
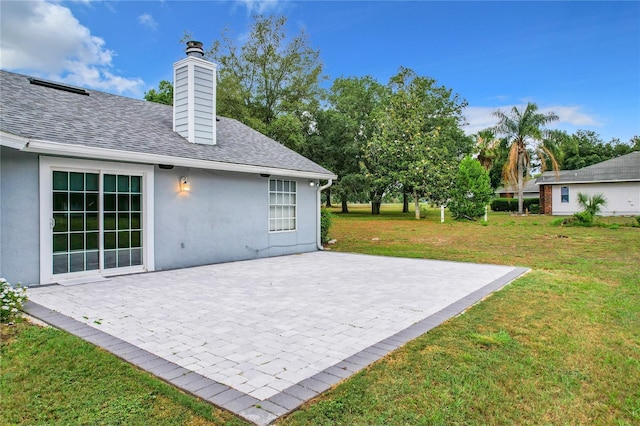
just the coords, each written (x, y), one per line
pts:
(71, 150)
(586, 181)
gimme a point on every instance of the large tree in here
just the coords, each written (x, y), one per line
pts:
(584, 148)
(524, 130)
(271, 82)
(353, 100)
(164, 94)
(418, 143)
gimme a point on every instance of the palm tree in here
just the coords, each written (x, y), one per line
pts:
(524, 128)
(592, 205)
(486, 145)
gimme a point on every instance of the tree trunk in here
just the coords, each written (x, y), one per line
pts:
(520, 183)
(405, 202)
(375, 207)
(416, 203)
(328, 192)
(345, 208)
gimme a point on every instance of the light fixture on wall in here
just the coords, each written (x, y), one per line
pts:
(184, 184)
(312, 183)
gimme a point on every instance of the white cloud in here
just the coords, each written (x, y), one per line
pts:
(480, 118)
(147, 20)
(46, 40)
(261, 7)
(572, 115)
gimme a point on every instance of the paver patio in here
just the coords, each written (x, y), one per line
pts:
(260, 337)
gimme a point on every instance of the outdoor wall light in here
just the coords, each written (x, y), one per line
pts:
(312, 183)
(184, 184)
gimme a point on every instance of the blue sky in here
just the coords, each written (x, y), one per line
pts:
(578, 59)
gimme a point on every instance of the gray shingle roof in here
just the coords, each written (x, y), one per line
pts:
(109, 121)
(621, 169)
(529, 186)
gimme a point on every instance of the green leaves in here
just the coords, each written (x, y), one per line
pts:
(417, 140)
(472, 190)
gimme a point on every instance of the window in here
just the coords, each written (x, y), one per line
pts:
(282, 205)
(564, 194)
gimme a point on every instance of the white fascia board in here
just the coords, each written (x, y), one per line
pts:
(567, 182)
(13, 141)
(69, 150)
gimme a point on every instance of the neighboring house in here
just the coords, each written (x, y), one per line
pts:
(531, 190)
(93, 184)
(617, 179)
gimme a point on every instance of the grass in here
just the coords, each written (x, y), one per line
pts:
(560, 345)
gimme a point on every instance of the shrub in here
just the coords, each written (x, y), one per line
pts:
(472, 190)
(511, 204)
(579, 219)
(12, 299)
(325, 223)
(591, 204)
(534, 208)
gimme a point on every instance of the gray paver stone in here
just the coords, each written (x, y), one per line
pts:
(224, 397)
(285, 400)
(240, 404)
(213, 389)
(258, 416)
(300, 392)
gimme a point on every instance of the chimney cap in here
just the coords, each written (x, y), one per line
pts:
(194, 48)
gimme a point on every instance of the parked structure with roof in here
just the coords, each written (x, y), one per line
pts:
(93, 184)
(530, 190)
(617, 179)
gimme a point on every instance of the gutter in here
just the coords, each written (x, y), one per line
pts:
(105, 154)
(318, 232)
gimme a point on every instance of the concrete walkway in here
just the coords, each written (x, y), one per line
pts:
(260, 337)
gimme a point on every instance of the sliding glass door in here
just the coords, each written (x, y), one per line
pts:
(97, 221)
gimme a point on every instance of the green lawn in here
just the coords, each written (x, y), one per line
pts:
(560, 345)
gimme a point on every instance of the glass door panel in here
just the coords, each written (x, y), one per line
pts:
(122, 221)
(75, 227)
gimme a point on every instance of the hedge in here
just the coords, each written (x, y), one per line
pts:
(511, 204)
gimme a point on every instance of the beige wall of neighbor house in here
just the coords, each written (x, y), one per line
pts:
(623, 198)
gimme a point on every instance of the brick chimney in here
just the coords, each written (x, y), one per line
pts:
(194, 96)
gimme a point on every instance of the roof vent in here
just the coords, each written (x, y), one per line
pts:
(58, 86)
(194, 48)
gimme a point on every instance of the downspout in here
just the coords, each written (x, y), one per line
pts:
(319, 204)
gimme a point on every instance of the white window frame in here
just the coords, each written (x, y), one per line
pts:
(562, 195)
(47, 166)
(282, 204)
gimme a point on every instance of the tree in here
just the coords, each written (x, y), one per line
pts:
(418, 142)
(164, 94)
(472, 190)
(584, 148)
(523, 128)
(591, 204)
(486, 147)
(353, 100)
(271, 82)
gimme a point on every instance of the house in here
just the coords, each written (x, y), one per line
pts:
(530, 190)
(617, 179)
(93, 184)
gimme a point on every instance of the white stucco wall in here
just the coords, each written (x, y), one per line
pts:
(623, 198)
(225, 217)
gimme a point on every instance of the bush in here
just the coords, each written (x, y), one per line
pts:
(12, 299)
(325, 223)
(511, 204)
(579, 219)
(472, 190)
(534, 208)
